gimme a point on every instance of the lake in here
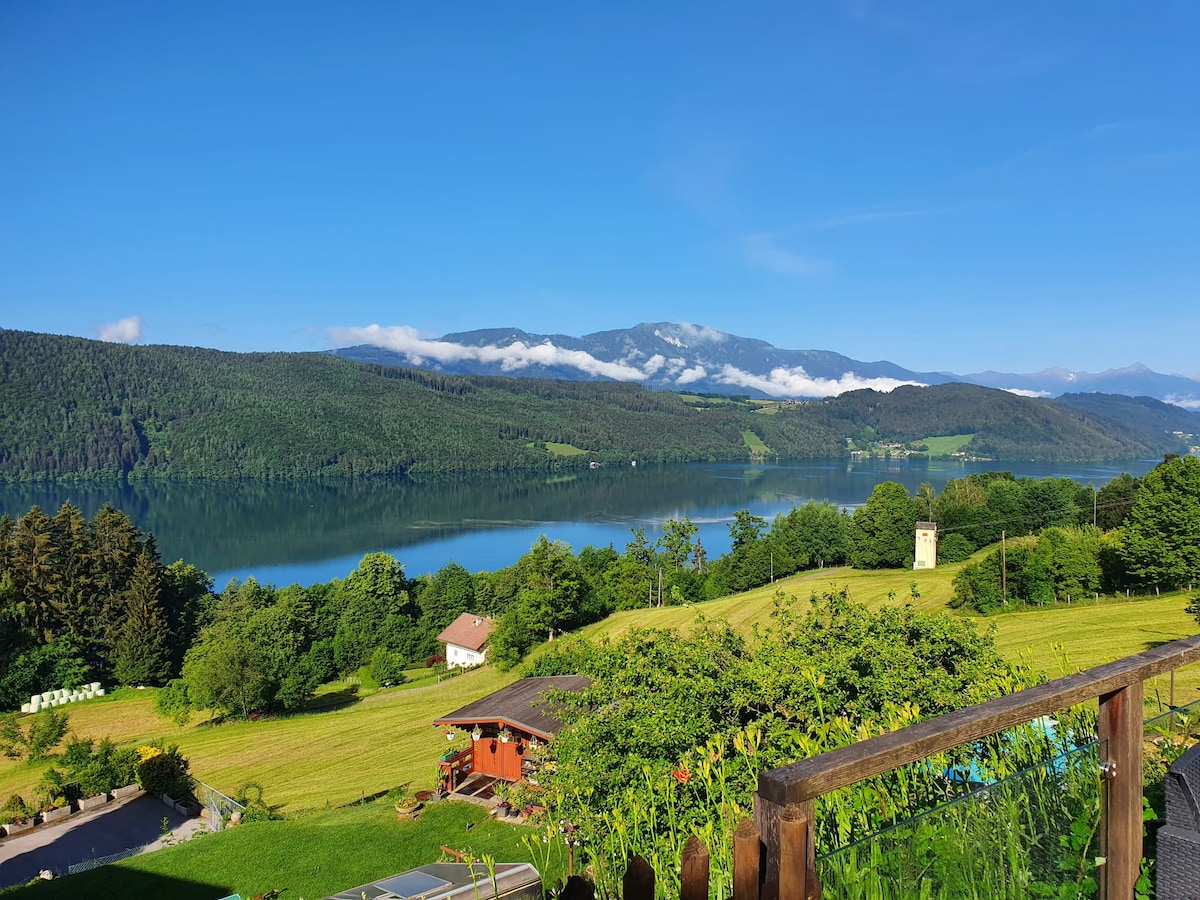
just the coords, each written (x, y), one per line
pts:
(284, 532)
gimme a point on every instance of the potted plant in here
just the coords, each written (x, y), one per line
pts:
(15, 816)
(408, 807)
(505, 735)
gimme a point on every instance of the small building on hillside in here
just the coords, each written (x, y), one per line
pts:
(465, 638)
(504, 726)
(926, 555)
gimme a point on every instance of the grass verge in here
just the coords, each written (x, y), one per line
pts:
(311, 855)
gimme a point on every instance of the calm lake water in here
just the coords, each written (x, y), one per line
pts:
(311, 531)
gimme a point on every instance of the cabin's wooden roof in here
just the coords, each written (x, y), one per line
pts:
(468, 630)
(519, 705)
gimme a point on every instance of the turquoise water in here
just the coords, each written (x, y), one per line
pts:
(308, 531)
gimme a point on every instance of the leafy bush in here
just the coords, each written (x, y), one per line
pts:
(35, 740)
(386, 667)
(954, 547)
(172, 701)
(250, 795)
(164, 770)
(15, 809)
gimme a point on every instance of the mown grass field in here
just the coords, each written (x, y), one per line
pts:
(943, 446)
(563, 449)
(754, 443)
(305, 761)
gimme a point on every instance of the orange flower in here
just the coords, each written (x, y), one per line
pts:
(682, 775)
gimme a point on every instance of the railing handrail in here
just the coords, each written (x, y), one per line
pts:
(817, 775)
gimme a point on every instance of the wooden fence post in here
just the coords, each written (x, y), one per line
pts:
(638, 881)
(747, 859)
(693, 870)
(768, 819)
(1120, 732)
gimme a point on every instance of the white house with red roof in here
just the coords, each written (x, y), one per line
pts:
(465, 638)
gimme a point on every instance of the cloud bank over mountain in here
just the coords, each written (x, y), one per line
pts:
(684, 356)
(519, 356)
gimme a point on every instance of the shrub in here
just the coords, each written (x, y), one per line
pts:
(954, 547)
(15, 809)
(172, 701)
(386, 666)
(39, 737)
(164, 771)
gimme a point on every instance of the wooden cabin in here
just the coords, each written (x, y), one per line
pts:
(503, 727)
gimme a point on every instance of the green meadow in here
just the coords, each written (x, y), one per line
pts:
(353, 745)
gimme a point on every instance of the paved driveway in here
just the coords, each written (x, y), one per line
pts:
(120, 825)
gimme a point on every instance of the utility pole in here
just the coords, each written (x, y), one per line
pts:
(1003, 566)
(1094, 514)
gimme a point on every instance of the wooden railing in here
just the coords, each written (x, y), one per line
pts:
(784, 804)
(454, 768)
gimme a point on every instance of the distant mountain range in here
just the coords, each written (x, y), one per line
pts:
(692, 358)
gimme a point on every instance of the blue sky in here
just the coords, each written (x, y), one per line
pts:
(954, 186)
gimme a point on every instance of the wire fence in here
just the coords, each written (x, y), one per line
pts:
(88, 864)
(218, 806)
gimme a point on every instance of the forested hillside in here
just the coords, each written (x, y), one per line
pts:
(73, 408)
(1004, 425)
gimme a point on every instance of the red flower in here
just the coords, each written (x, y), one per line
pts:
(682, 775)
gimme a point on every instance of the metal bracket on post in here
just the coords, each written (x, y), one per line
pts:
(1108, 770)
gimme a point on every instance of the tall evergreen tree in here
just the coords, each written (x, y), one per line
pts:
(142, 646)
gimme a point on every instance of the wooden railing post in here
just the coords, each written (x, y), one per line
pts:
(638, 881)
(1120, 733)
(693, 870)
(787, 832)
(747, 860)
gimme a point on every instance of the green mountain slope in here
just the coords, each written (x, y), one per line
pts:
(74, 408)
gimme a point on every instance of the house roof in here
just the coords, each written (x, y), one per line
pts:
(927, 526)
(520, 705)
(468, 630)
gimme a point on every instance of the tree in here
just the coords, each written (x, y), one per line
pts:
(882, 533)
(142, 650)
(1115, 500)
(676, 540)
(449, 593)
(379, 612)
(1162, 531)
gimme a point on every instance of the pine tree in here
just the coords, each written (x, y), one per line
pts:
(142, 650)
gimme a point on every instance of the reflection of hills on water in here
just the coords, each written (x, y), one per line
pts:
(221, 526)
(230, 525)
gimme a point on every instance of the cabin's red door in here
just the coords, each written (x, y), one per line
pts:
(499, 758)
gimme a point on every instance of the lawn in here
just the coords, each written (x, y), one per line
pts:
(754, 443)
(311, 855)
(563, 449)
(305, 761)
(944, 446)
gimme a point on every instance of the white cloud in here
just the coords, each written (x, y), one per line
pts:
(763, 251)
(698, 334)
(516, 356)
(1185, 402)
(125, 331)
(1023, 392)
(781, 382)
(795, 382)
(654, 363)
